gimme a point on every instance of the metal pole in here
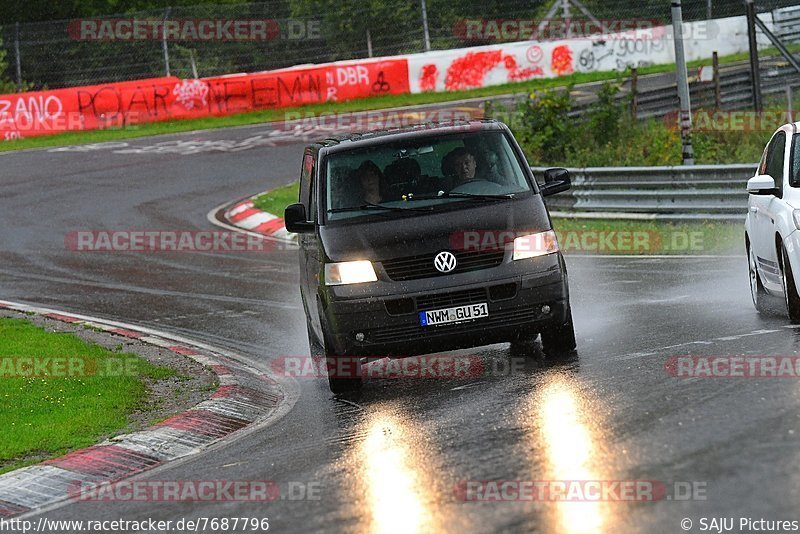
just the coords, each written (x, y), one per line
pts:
(194, 65)
(369, 44)
(708, 9)
(717, 84)
(425, 26)
(789, 111)
(634, 93)
(164, 40)
(683, 84)
(755, 74)
(565, 14)
(18, 59)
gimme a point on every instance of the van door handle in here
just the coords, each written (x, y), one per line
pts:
(753, 209)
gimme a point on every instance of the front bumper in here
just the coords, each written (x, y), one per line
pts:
(389, 323)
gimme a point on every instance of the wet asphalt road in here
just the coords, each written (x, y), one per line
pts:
(390, 459)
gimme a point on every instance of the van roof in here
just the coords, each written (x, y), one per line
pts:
(430, 128)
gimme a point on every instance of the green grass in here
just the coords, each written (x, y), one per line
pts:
(601, 236)
(276, 200)
(604, 236)
(367, 104)
(46, 416)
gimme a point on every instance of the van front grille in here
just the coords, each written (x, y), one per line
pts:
(416, 267)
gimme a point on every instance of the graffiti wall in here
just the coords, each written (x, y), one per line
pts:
(452, 70)
(159, 99)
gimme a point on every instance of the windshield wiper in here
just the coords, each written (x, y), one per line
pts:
(505, 196)
(369, 206)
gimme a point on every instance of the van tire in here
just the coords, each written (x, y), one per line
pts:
(320, 354)
(559, 341)
(339, 385)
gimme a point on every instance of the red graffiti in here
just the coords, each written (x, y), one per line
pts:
(561, 61)
(470, 70)
(516, 74)
(427, 81)
(160, 99)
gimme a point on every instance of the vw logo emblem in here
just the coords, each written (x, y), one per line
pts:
(444, 262)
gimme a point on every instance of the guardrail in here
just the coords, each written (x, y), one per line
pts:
(736, 91)
(682, 192)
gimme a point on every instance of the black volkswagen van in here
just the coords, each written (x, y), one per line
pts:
(426, 239)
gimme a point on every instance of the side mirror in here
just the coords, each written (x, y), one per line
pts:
(556, 180)
(295, 219)
(761, 184)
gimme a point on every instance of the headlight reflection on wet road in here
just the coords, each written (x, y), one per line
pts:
(570, 449)
(394, 479)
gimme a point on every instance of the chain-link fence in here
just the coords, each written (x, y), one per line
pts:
(67, 53)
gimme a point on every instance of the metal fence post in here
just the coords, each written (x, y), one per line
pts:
(18, 59)
(634, 93)
(683, 84)
(425, 26)
(754, 72)
(717, 85)
(194, 64)
(164, 40)
(369, 44)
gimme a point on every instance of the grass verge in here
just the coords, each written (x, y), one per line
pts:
(600, 236)
(59, 410)
(275, 201)
(367, 104)
(607, 236)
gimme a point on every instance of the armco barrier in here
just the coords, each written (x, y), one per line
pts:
(679, 192)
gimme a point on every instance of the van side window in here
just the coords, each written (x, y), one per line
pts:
(307, 186)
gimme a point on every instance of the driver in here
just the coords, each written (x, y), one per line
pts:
(463, 165)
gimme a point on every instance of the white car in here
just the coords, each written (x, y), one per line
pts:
(771, 228)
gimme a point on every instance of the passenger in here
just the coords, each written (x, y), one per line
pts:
(370, 177)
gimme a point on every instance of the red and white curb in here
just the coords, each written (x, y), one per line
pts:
(246, 397)
(246, 216)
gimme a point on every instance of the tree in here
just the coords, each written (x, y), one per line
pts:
(6, 85)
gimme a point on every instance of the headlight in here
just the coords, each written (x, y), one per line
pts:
(349, 272)
(533, 245)
(796, 217)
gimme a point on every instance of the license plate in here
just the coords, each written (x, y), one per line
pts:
(456, 314)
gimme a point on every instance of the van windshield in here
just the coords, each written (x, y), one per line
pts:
(422, 174)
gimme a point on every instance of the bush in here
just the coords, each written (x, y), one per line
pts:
(545, 130)
(607, 136)
(6, 86)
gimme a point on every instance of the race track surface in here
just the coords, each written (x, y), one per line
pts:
(391, 459)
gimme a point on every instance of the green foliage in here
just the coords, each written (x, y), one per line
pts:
(6, 86)
(604, 117)
(545, 129)
(608, 136)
